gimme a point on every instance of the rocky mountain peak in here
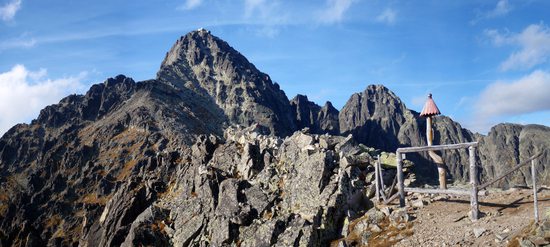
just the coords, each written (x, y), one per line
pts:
(211, 67)
(372, 114)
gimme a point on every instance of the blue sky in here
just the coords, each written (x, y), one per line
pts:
(484, 61)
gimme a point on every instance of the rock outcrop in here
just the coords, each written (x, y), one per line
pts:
(509, 144)
(319, 120)
(258, 190)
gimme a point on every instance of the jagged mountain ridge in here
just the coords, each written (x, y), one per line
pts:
(318, 119)
(118, 153)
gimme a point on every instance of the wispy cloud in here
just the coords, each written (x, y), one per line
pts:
(504, 99)
(8, 11)
(267, 14)
(534, 43)
(252, 6)
(23, 93)
(21, 42)
(191, 4)
(334, 11)
(388, 16)
(502, 8)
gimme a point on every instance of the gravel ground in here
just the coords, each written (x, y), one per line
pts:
(444, 221)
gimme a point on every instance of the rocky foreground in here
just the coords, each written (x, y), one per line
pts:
(212, 152)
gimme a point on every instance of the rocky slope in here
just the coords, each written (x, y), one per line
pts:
(211, 153)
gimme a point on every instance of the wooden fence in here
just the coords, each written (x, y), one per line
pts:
(475, 188)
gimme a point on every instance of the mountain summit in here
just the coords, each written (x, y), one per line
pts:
(209, 66)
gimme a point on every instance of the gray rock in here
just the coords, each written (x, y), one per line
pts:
(228, 204)
(478, 231)
(526, 243)
(418, 203)
(501, 237)
(148, 229)
(399, 216)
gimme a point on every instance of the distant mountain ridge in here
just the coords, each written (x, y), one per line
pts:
(111, 166)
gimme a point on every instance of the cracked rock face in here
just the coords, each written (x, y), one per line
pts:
(299, 193)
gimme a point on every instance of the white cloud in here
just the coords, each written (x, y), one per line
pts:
(525, 95)
(502, 8)
(534, 43)
(267, 16)
(8, 11)
(388, 16)
(535, 48)
(335, 10)
(496, 37)
(24, 93)
(191, 4)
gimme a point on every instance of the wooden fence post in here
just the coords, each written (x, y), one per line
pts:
(535, 199)
(474, 207)
(377, 179)
(400, 183)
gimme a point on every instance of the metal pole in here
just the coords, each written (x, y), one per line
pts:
(535, 199)
(474, 207)
(400, 183)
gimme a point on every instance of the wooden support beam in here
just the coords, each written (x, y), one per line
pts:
(535, 199)
(393, 197)
(444, 191)
(382, 186)
(392, 186)
(437, 147)
(376, 179)
(474, 206)
(400, 182)
(381, 180)
(485, 185)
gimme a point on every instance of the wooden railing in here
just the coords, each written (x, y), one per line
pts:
(475, 188)
(474, 205)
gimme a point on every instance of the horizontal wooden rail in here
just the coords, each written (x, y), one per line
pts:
(442, 191)
(393, 197)
(436, 147)
(485, 185)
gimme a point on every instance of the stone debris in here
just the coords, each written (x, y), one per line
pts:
(478, 231)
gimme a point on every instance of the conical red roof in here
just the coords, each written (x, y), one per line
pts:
(430, 109)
